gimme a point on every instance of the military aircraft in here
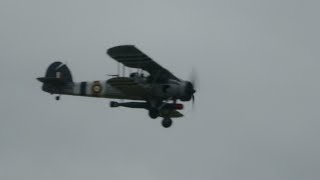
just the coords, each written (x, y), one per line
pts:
(157, 92)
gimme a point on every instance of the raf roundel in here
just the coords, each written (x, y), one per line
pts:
(96, 88)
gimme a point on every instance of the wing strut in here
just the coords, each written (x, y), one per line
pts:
(118, 66)
(123, 71)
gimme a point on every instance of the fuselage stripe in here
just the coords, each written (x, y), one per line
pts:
(83, 87)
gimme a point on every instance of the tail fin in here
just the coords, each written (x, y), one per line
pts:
(57, 71)
(57, 75)
(60, 71)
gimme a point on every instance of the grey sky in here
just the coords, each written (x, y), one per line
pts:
(257, 112)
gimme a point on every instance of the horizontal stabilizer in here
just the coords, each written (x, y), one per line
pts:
(51, 80)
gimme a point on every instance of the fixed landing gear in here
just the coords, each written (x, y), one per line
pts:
(165, 113)
(153, 113)
(166, 122)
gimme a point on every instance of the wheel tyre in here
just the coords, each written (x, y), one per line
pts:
(57, 98)
(166, 122)
(153, 113)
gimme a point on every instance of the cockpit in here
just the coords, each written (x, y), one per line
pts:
(137, 75)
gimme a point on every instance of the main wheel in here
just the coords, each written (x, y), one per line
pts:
(166, 122)
(153, 113)
(57, 98)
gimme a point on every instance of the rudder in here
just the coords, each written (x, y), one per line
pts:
(59, 70)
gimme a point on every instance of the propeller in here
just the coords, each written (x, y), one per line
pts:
(194, 78)
(193, 99)
(193, 85)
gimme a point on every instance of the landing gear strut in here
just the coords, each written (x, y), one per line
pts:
(166, 122)
(153, 113)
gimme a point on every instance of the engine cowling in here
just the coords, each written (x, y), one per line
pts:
(188, 91)
(179, 90)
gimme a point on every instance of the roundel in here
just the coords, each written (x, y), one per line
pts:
(96, 88)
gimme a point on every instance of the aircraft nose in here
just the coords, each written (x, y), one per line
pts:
(189, 91)
(190, 88)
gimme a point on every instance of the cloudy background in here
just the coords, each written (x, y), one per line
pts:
(257, 110)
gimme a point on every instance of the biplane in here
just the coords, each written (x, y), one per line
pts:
(151, 87)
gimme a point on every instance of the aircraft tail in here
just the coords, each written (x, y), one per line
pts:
(56, 78)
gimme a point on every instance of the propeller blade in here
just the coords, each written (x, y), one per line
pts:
(194, 78)
(193, 102)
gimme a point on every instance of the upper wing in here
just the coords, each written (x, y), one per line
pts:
(132, 57)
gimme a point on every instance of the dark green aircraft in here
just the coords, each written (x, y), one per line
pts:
(157, 92)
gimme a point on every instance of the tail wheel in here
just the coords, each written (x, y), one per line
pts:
(166, 122)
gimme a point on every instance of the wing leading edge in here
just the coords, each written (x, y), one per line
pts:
(132, 57)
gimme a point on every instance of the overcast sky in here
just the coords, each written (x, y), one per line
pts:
(257, 109)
